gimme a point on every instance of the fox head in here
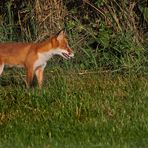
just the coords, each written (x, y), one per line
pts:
(61, 46)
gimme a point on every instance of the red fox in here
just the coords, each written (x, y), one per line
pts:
(34, 56)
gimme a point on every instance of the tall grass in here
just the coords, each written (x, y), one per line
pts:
(49, 17)
(109, 37)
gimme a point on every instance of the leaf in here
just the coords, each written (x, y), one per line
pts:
(104, 38)
(144, 11)
(145, 14)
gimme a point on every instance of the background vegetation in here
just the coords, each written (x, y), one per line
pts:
(98, 99)
(103, 33)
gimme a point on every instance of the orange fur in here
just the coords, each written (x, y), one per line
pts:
(33, 56)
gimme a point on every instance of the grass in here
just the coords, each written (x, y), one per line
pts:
(87, 109)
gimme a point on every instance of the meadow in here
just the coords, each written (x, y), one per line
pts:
(99, 99)
(75, 109)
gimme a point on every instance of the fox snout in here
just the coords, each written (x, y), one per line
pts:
(67, 55)
(71, 54)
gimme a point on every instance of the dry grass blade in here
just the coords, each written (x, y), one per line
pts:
(49, 16)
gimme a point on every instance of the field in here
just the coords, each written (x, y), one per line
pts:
(74, 109)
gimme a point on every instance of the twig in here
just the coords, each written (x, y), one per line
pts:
(87, 2)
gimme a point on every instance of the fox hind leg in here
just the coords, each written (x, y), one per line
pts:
(1, 67)
(30, 75)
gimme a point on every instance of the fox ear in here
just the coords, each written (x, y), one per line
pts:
(60, 35)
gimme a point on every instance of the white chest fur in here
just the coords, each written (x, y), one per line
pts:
(42, 59)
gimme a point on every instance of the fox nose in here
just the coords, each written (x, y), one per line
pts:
(71, 54)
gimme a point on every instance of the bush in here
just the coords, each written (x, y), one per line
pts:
(103, 33)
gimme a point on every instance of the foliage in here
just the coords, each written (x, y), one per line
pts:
(108, 30)
(101, 32)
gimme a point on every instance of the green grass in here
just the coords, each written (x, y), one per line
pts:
(73, 109)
